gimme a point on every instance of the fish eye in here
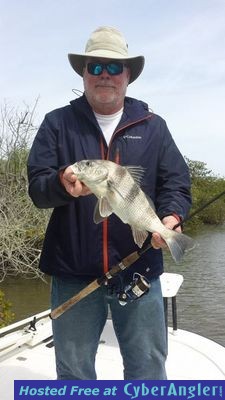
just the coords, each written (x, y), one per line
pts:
(88, 163)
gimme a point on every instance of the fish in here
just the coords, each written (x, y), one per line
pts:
(118, 190)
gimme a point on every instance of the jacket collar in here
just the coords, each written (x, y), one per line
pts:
(134, 110)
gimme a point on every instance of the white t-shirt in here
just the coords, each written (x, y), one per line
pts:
(108, 123)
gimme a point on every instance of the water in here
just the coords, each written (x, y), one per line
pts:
(201, 299)
(27, 296)
(200, 302)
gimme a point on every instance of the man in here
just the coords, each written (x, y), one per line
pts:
(105, 124)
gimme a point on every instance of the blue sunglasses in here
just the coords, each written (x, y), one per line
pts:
(113, 68)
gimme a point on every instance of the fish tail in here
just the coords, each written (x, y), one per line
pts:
(178, 244)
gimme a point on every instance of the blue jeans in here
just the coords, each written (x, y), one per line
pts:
(139, 327)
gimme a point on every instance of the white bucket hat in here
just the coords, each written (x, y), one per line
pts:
(107, 42)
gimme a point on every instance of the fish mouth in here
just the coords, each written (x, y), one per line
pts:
(77, 169)
(81, 170)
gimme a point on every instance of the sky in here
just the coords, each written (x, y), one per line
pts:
(183, 42)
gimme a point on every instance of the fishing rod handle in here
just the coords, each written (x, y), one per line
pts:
(120, 266)
(73, 300)
(125, 263)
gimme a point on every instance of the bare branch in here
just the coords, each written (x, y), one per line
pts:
(22, 225)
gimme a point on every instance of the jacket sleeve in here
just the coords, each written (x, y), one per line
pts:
(173, 194)
(43, 167)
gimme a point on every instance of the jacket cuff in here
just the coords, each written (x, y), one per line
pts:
(178, 218)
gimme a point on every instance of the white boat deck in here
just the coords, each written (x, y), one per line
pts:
(191, 357)
(29, 355)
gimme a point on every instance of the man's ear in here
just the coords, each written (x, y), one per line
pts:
(128, 75)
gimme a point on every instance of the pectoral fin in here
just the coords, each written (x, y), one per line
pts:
(111, 186)
(139, 236)
(102, 210)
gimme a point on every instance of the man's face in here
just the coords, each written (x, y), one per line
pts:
(105, 92)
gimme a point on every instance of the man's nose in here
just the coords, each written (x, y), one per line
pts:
(105, 73)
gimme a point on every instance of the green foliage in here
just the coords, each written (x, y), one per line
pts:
(198, 170)
(6, 314)
(206, 186)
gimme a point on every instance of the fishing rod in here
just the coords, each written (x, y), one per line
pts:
(191, 215)
(103, 280)
(125, 263)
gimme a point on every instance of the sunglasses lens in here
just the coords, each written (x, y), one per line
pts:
(94, 68)
(113, 68)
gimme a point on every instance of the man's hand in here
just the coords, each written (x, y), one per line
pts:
(157, 241)
(72, 185)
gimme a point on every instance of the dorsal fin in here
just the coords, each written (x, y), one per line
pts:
(137, 172)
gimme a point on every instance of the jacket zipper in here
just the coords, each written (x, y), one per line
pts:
(104, 225)
(124, 127)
